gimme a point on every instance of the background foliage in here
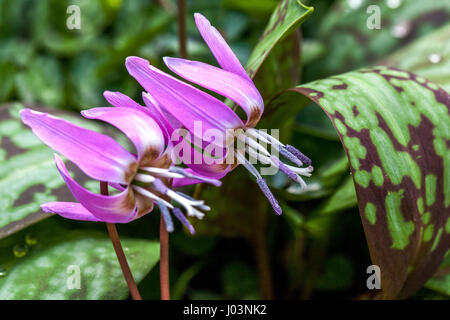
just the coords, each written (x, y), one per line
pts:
(317, 249)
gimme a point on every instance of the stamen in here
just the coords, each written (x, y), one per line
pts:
(271, 139)
(265, 189)
(166, 216)
(150, 195)
(160, 186)
(302, 171)
(187, 174)
(254, 144)
(182, 218)
(285, 153)
(202, 206)
(298, 154)
(162, 172)
(187, 204)
(144, 178)
(291, 175)
(241, 158)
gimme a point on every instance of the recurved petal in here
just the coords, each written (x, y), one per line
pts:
(231, 85)
(118, 208)
(219, 47)
(139, 127)
(118, 99)
(165, 118)
(196, 110)
(69, 210)
(99, 156)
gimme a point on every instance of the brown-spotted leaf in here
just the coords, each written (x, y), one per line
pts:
(395, 128)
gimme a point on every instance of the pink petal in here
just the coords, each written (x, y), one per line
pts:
(139, 127)
(118, 208)
(165, 118)
(219, 48)
(240, 90)
(200, 163)
(99, 156)
(187, 104)
(69, 210)
(120, 100)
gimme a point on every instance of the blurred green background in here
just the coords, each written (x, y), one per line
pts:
(317, 249)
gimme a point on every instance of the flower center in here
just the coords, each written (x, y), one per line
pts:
(148, 183)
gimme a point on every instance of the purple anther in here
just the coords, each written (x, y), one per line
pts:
(300, 156)
(182, 218)
(265, 189)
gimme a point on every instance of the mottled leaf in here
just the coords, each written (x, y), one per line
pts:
(394, 126)
(49, 269)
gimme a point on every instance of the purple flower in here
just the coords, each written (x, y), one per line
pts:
(189, 105)
(140, 180)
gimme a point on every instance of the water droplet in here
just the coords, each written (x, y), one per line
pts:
(401, 30)
(434, 58)
(354, 4)
(30, 240)
(394, 4)
(20, 250)
(2, 272)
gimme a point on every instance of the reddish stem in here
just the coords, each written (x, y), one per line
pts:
(112, 230)
(182, 28)
(164, 260)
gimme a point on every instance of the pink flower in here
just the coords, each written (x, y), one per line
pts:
(141, 179)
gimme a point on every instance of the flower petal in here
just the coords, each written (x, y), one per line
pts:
(118, 99)
(165, 118)
(69, 210)
(200, 162)
(187, 104)
(139, 127)
(119, 208)
(99, 156)
(219, 48)
(233, 86)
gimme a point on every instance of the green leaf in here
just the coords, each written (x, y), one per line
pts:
(441, 280)
(394, 126)
(47, 271)
(428, 57)
(343, 198)
(288, 15)
(351, 44)
(28, 176)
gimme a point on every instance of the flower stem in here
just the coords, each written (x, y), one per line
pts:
(114, 236)
(164, 260)
(182, 28)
